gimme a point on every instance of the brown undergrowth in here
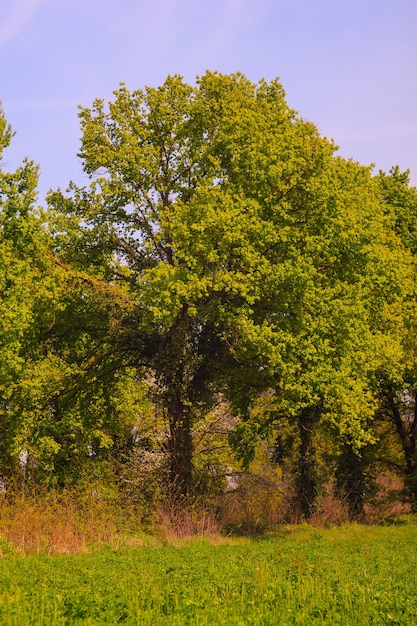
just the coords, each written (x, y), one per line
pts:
(185, 520)
(70, 521)
(60, 523)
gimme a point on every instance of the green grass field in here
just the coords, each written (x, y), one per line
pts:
(347, 575)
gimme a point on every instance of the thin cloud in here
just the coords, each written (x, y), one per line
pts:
(19, 16)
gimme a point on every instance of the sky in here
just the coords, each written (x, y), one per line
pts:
(349, 66)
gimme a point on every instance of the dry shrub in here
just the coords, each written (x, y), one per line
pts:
(330, 510)
(257, 505)
(179, 520)
(57, 523)
(388, 501)
(385, 504)
(142, 482)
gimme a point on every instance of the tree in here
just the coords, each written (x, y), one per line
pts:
(398, 384)
(55, 414)
(326, 319)
(167, 215)
(28, 285)
(329, 311)
(253, 259)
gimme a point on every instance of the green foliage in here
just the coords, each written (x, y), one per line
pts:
(397, 385)
(30, 289)
(221, 255)
(253, 260)
(56, 412)
(167, 216)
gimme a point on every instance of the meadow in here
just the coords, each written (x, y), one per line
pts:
(350, 574)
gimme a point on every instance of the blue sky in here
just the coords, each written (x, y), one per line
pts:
(350, 66)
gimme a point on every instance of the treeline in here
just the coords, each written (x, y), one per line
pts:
(224, 287)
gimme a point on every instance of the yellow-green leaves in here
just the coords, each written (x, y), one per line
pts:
(252, 257)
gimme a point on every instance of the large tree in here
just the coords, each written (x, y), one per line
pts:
(166, 215)
(56, 413)
(397, 384)
(29, 296)
(246, 249)
(333, 301)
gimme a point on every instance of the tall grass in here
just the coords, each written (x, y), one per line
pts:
(61, 522)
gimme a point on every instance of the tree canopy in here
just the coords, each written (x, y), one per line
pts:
(221, 254)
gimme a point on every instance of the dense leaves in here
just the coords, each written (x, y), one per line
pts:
(221, 256)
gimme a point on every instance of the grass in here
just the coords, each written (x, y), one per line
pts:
(301, 575)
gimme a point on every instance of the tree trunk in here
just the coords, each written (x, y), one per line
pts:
(306, 479)
(406, 428)
(180, 448)
(353, 480)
